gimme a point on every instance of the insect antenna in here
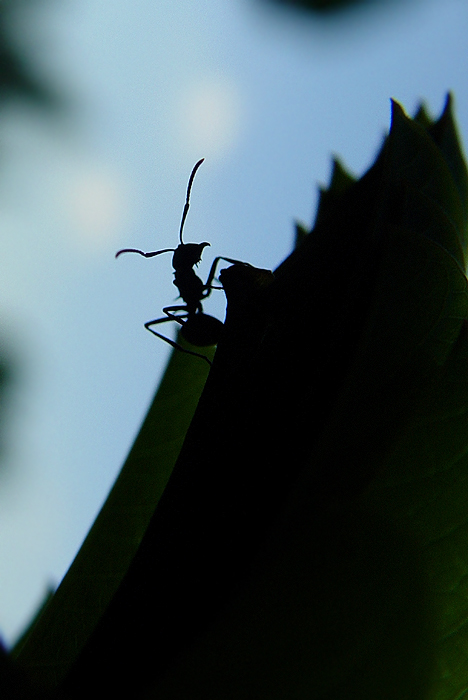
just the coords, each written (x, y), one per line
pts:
(184, 216)
(187, 199)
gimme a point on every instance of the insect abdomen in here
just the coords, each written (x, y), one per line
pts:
(202, 330)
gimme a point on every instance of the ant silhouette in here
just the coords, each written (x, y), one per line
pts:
(197, 328)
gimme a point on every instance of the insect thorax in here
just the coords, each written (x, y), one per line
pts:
(191, 288)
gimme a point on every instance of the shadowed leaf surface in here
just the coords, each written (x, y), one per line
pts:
(52, 645)
(359, 590)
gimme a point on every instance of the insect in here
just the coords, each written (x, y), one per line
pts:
(197, 328)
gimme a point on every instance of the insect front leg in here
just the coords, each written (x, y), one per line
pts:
(211, 276)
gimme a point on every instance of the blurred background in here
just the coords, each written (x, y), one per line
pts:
(104, 109)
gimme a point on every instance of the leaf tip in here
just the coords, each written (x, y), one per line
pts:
(301, 233)
(398, 114)
(423, 117)
(341, 178)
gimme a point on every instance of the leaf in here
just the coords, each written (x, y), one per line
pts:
(422, 169)
(368, 599)
(423, 491)
(301, 233)
(72, 614)
(445, 134)
(330, 198)
(359, 592)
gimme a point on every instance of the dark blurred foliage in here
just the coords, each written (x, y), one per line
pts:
(6, 378)
(329, 8)
(18, 77)
(6, 383)
(19, 80)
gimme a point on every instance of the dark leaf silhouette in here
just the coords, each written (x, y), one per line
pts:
(328, 8)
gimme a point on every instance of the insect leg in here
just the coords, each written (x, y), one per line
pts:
(170, 311)
(173, 343)
(211, 276)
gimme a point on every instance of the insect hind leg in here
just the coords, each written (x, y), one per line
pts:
(179, 319)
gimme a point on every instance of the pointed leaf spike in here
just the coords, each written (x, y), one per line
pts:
(301, 234)
(397, 114)
(341, 179)
(423, 117)
(446, 135)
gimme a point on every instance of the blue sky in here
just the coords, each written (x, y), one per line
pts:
(267, 98)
